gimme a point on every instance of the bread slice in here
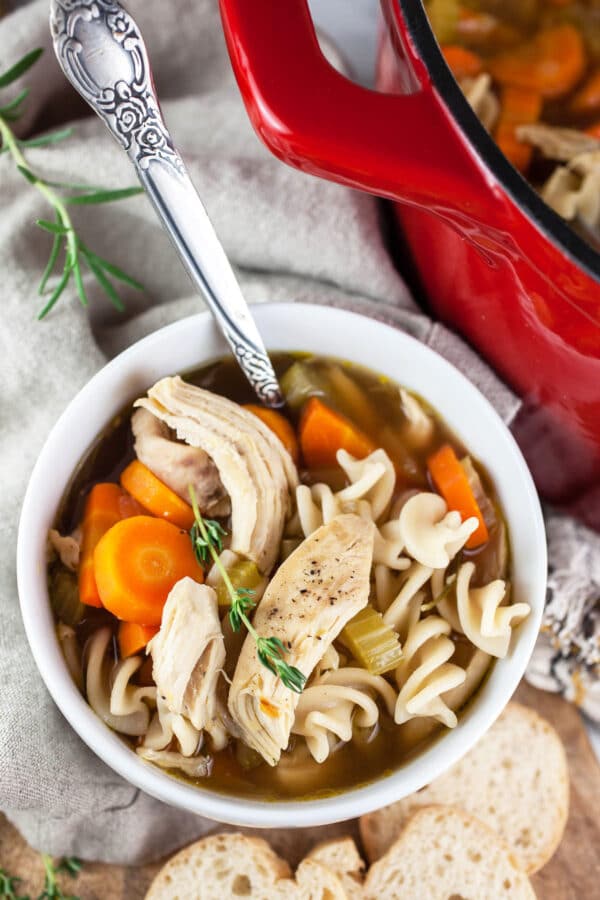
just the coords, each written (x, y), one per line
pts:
(515, 780)
(341, 856)
(228, 866)
(444, 854)
(220, 866)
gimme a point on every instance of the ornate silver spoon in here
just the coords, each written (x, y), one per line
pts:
(101, 51)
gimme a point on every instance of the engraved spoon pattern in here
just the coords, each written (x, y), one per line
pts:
(101, 51)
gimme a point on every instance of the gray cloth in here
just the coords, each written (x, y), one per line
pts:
(290, 237)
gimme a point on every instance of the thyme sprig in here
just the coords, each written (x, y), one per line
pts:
(207, 542)
(9, 887)
(68, 248)
(52, 890)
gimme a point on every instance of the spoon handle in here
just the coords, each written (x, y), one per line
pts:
(101, 51)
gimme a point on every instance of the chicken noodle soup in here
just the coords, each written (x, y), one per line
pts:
(531, 71)
(280, 604)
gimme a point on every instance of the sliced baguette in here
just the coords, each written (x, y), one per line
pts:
(515, 780)
(227, 866)
(442, 854)
(222, 866)
(341, 856)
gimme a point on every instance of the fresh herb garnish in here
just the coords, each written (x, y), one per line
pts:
(207, 541)
(52, 891)
(66, 242)
(8, 887)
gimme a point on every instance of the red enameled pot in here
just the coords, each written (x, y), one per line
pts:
(496, 263)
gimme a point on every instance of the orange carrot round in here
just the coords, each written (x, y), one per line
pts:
(451, 481)
(279, 425)
(586, 100)
(518, 107)
(102, 511)
(551, 63)
(155, 496)
(461, 62)
(134, 637)
(323, 432)
(137, 563)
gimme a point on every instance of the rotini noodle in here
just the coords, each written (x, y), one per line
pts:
(424, 673)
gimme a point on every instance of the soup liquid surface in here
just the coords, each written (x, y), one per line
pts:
(372, 753)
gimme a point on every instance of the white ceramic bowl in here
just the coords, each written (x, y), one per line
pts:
(188, 344)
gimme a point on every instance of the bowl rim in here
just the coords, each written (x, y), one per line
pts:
(350, 803)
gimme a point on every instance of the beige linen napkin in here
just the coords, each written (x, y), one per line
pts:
(290, 237)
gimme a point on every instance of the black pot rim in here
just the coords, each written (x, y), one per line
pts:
(521, 192)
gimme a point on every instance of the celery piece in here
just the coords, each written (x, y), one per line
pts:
(301, 382)
(64, 597)
(443, 16)
(242, 574)
(373, 644)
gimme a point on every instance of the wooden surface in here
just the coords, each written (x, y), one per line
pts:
(572, 874)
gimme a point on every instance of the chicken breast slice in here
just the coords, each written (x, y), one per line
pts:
(311, 597)
(178, 465)
(188, 653)
(254, 467)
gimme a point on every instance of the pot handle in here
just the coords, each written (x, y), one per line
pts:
(401, 146)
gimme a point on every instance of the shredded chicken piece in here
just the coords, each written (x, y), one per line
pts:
(188, 653)
(562, 144)
(178, 465)
(312, 596)
(573, 191)
(254, 467)
(66, 546)
(482, 99)
(193, 766)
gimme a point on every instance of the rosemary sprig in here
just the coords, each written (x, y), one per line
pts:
(52, 891)
(207, 542)
(66, 244)
(9, 887)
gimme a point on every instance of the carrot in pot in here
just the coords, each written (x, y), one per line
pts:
(551, 63)
(587, 99)
(155, 497)
(517, 107)
(323, 432)
(133, 637)
(461, 62)
(137, 563)
(451, 481)
(594, 130)
(103, 509)
(279, 425)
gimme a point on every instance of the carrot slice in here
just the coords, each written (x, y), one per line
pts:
(134, 637)
(594, 130)
(518, 107)
(103, 509)
(137, 563)
(551, 63)
(279, 425)
(587, 99)
(452, 483)
(155, 496)
(461, 62)
(323, 432)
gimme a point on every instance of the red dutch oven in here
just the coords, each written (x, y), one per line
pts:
(496, 263)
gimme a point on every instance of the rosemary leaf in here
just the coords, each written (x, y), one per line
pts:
(28, 174)
(57, 292)
(103, 196)
(106, 285)
(13, 105)
(79, 283)
(113, 270)
(20, 67)
(52, 227)
(47, 139)
(56, 247)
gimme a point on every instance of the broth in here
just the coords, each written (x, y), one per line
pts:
(372, 402)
